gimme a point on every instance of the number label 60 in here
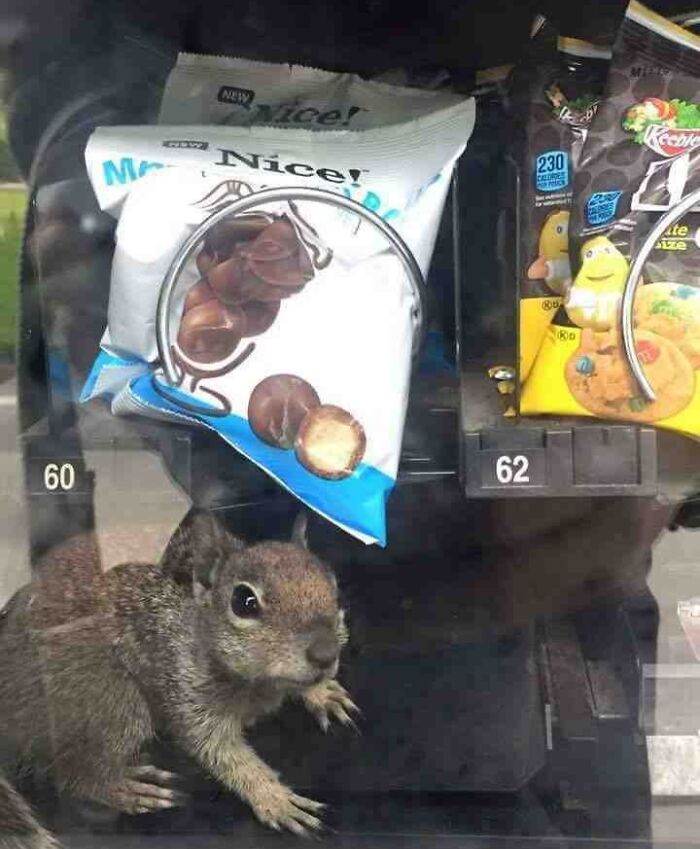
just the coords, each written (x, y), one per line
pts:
(59, 477)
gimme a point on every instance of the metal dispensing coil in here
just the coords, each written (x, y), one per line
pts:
(247, 204)
(633, 279)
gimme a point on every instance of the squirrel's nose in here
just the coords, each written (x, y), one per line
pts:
(323, 652)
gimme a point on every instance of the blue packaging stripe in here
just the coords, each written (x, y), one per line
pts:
(89, 387)
(357, 502)
(104, 361)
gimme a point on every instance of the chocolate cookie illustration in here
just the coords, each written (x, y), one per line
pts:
(600, 379)
(331, 442)
(267, 268)
(277, 407)
(673, 311)
(248, 264)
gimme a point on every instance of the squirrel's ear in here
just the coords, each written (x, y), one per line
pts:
(300, 530)
(197, 549)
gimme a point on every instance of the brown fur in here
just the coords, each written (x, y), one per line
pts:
(19, 829)
(91, 664)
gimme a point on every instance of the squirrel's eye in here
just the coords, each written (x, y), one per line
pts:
(244, 602)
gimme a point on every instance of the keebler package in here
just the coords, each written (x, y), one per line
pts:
(639, 161)
(553, 94)
(286, 326)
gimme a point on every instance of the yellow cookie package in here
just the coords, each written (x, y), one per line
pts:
(640, 159)
(552, 95)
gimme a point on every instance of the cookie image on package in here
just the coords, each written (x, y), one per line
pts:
(285, 411)
(331, 442)
(600, 379)
(673, 311)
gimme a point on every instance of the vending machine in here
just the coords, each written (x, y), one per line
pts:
(351, 411)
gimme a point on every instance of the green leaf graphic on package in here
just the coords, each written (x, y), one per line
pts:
(577, 111)
(668, 127)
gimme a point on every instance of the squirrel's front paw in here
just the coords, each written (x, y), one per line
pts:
(146, 789)
(329, 700)
(279, 807)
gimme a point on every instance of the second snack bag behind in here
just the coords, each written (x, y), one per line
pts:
(640, 159)
(292, 324)
(552, 96)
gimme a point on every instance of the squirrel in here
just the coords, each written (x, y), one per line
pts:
(218, 634)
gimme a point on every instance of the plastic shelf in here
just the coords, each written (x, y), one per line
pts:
(548, 457)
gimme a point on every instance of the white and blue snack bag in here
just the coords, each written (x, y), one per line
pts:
(292, 324)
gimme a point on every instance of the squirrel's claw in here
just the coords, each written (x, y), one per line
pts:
(141, 798)
(330, 700)
(340, 709)
(308, 804)
(285, 809)
(344, 718)
(154, 775)
(146, 789)
(303, 823)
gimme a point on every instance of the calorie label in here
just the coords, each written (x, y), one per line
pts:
(552, 171)
(601, 207)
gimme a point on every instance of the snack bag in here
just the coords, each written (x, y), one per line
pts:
(640, 160)
(289, 327)
(553, 95)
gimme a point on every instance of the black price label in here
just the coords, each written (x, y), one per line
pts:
(52, 476)
(513, 469)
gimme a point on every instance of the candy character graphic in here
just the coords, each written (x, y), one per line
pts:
(552, 264)
(593, 299)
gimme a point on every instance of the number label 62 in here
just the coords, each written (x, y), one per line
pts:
(512, 469)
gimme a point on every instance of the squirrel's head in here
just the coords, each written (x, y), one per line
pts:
(268, 612)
